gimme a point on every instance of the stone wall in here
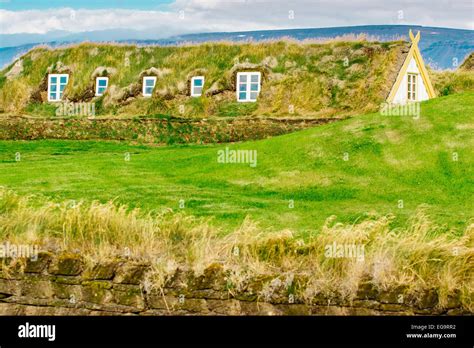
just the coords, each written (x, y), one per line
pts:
(151, 130)
(65, 284)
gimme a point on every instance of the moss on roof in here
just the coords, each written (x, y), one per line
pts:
(299, 79)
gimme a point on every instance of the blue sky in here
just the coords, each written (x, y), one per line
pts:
(21, 5)
(162, 18)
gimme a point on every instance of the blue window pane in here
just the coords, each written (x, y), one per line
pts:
(198, 82)
(53, 88)
(63, 79)
(102, 83)
(243, 88)
(242, 96)
(61, 87)
(101, 90)
(54, 79)
(52, 96)
(149, 83)
(254, 87)
(254, 78)
(60, 95)
(243, 78)
(148, 90)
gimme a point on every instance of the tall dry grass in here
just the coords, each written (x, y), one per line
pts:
(448, 82)
(417, 257)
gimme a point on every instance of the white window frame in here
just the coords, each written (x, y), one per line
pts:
(193, 86)
(412, 93)
(97, 79)
(145, 78)
(57, 93)
(248, 91)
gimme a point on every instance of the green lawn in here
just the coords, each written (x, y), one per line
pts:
(390, 158)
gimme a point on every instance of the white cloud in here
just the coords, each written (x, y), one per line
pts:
(43, 21)
(329, 13)
(237, 15)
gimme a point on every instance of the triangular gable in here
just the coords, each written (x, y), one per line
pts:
(414, 52)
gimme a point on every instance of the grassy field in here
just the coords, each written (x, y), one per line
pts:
(409, 261)
(423, 162)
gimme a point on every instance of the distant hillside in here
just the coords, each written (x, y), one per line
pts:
(441, 47)
(317, 80)
(8, 54)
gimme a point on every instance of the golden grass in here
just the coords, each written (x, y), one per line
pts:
(418, 257)
(450, 82)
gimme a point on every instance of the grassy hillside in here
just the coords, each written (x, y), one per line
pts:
(310, 79)
(426, 161)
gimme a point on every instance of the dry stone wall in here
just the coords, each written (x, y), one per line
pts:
(64, 284)
(149, 130)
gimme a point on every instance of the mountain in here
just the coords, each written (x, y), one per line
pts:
(442, 48)
(8, 54)
(13, 40)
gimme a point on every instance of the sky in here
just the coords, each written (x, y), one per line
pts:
(22, 5)
(173, 17)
